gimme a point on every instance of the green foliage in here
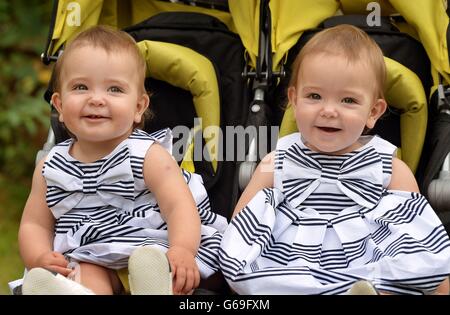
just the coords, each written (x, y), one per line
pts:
(24, 115)
(12, 200)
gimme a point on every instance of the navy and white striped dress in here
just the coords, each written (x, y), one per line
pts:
(329, 221)
(104, 210)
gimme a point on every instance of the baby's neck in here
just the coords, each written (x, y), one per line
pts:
(88, 152)
(358, 144)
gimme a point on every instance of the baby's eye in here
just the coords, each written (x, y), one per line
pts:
(115, 89)
(349, 100)
(314, 96)
(80, 87)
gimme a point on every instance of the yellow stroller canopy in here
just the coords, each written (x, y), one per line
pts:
(73, 17)
(427, 20)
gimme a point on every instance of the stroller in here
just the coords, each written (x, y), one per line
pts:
(233, 58)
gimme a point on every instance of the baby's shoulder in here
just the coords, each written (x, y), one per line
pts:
(402, 177)
(140, 141)
(287, 141)
(381, 145)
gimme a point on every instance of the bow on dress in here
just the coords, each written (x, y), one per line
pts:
(111, 180)
(360, 176)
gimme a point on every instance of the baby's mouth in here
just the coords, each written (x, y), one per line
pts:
(94, 116)
(329, 129)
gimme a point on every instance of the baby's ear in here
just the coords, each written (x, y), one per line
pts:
(377, 110)
(142, 106)
(292, 95)
(56, 102)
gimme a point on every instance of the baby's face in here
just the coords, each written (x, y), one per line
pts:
(99, 99)
(333, 101)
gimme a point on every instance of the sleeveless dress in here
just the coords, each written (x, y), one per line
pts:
(104, 211)
(330, 221)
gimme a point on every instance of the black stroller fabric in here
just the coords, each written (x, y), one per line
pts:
(435, 151)
(437, 145)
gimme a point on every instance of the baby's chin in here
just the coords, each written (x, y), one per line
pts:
(332, 149)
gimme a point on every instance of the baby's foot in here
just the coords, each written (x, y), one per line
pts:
(39, 281)
(362, 287)
(149, 272)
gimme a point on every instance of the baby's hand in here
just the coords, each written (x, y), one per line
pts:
(186, 276)
(53, 261)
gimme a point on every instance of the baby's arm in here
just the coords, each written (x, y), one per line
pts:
(402, 178)
(261, 178)
(163, 177)
(36, 229)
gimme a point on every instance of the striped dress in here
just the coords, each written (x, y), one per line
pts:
(103, 210)
(329, 221)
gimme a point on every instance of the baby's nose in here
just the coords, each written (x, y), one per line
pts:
(329, 110)
(97, 99)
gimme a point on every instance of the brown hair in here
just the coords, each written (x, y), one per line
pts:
(349, 41)
(111, 40)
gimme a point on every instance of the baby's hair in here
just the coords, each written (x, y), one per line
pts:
(349, 41)
(107, 38)
(112, 41)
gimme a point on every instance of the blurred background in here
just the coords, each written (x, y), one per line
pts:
(24, 117)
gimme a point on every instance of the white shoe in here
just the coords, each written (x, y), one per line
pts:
(149, 272)
(39, 281)
(362, 287)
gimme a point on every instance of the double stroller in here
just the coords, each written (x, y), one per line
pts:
(218, 72)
